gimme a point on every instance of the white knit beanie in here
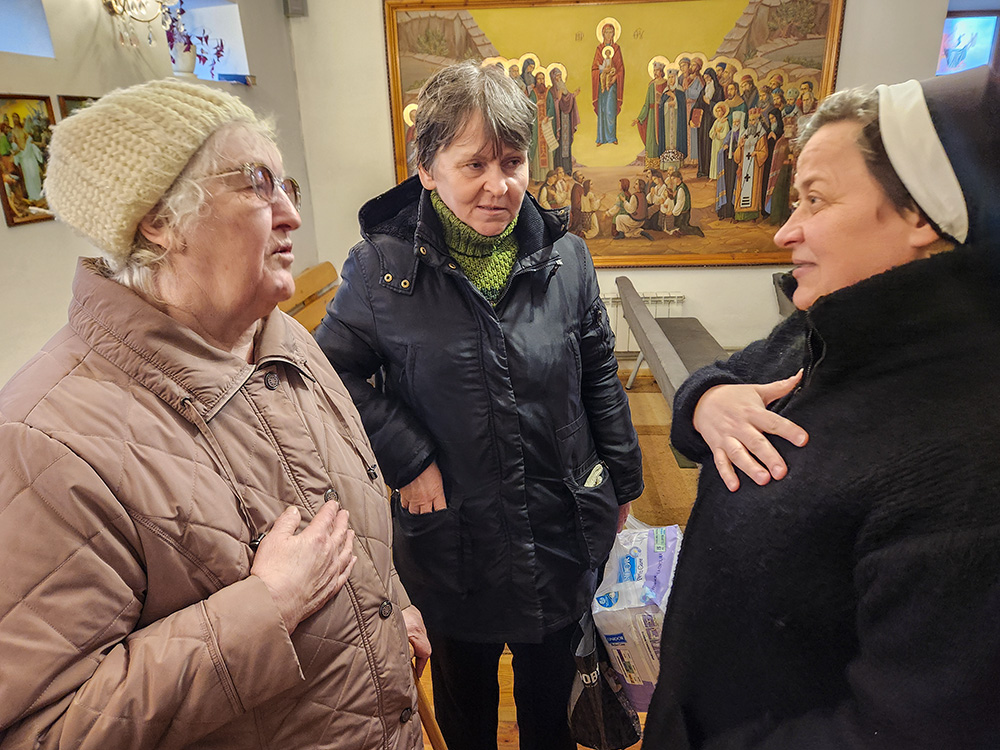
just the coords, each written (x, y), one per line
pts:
(111, 162)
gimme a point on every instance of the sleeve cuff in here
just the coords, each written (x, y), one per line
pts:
(397, 591)
(254, 653)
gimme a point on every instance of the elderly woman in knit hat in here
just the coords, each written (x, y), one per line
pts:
(196, 540)
(501, 424)
(854, 603)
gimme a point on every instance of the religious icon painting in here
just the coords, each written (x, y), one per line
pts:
(663, 128)
(70, 104)
(25, 132)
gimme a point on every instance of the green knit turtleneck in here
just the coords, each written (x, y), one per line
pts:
(487, 261)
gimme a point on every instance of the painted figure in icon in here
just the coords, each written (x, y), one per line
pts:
(650, 119)
(567, 117)
(608, 80)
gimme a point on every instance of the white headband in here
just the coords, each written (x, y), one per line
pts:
(916, 153)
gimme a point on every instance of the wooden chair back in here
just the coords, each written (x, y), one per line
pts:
(314, 288)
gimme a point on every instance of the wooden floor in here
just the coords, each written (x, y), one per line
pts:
(507, 729)
(670, 489)
(667, 500)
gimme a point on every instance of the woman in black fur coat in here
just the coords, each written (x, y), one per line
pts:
(856, 602)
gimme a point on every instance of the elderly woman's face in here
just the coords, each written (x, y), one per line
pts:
(844, 229)
(482, 188)
(239, 254)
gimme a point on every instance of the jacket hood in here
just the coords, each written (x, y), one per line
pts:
(405, 213)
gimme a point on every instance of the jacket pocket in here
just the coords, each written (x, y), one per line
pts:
(596, 512)
(576, 448)
(428, 549)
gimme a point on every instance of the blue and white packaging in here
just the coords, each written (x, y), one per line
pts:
(629, 604)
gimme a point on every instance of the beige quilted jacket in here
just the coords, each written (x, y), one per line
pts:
(136, 464)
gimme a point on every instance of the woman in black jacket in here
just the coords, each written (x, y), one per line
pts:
(501, 423)
(853, 603)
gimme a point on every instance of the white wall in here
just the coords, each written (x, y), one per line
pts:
(348, 140)
(890, 41)
(331, 68)
(37, 260)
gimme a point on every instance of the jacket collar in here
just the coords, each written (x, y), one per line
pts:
(406, 213)
(166, 357)
(925, 309)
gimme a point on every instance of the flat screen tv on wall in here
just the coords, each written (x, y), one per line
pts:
(969, 40)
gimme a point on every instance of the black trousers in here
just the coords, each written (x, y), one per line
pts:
(467, 693)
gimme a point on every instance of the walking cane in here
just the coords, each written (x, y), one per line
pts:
(427, 716)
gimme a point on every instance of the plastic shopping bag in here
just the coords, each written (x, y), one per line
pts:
(600, 715)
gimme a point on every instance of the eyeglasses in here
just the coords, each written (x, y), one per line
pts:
(264, 181)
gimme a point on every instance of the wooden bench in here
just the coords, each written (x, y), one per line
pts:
(314, 288)
(673, 348)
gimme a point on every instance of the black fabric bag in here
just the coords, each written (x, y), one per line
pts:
(600, 714)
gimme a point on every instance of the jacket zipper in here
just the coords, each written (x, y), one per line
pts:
(477, 297)
(813, 342)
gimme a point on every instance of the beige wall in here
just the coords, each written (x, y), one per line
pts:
(324, 76)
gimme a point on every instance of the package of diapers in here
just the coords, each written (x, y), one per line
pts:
(629, 604)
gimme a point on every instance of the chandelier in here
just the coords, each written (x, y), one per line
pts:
(127, 13)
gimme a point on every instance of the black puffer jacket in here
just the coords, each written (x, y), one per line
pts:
(516, 403)
(855, 603)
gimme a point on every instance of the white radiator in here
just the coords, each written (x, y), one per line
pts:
(661, 304)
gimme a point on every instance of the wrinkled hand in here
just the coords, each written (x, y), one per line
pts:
(734, 422)
(623, 511)
(304, 571)
(416, 633)
(424, 494)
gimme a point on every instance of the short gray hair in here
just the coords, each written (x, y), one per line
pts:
(452, 95)
(861, 107)
(185, 201)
